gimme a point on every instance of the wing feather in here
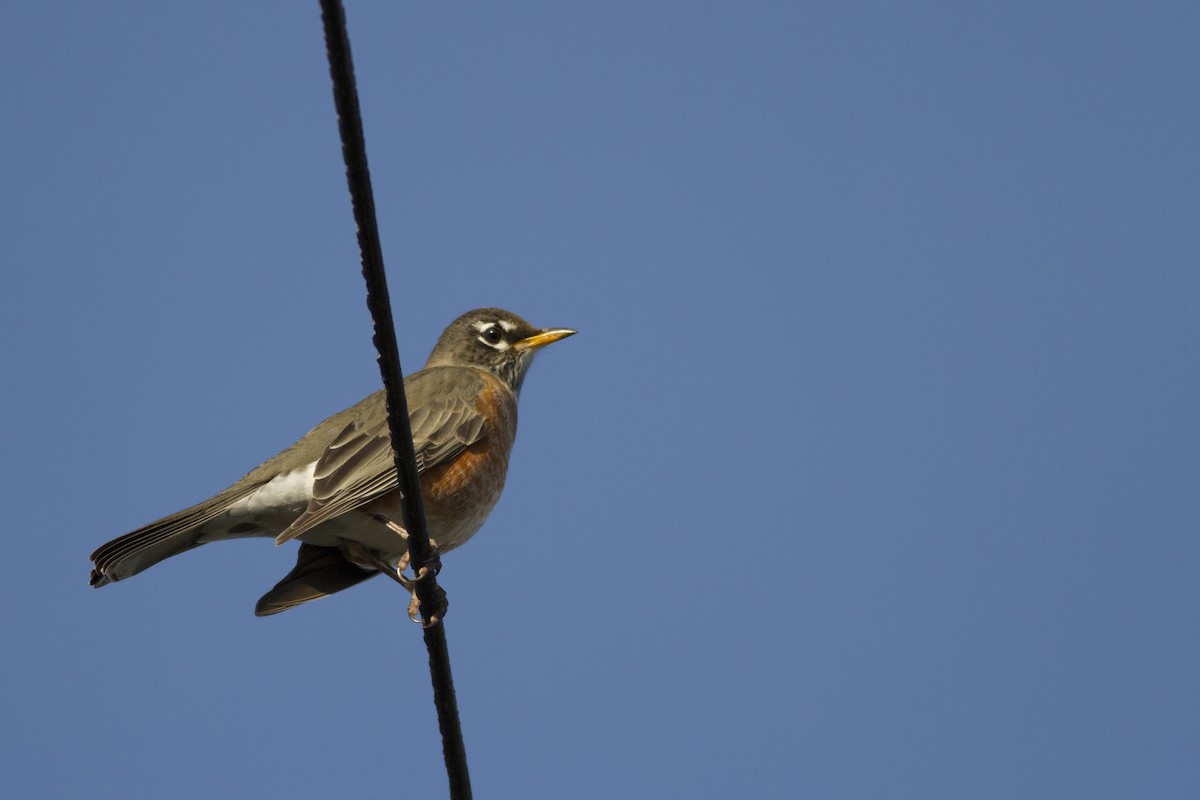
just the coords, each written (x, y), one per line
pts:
(357, 466)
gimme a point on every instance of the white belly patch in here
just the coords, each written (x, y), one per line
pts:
(286, 493)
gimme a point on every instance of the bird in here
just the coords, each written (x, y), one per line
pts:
(336, 489)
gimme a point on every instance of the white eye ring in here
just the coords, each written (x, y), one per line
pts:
(493, 333)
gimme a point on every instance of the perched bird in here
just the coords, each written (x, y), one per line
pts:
(336, 489)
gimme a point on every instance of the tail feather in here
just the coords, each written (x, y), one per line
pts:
(135, 551)
(319, 571)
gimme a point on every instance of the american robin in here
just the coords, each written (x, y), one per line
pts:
(336, 489)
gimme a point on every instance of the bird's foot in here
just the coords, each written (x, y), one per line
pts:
(433, 566)
(399, 575)
(396, 572)
(433, 615)
(430, 570)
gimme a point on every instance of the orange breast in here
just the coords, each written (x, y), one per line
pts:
(460, 494)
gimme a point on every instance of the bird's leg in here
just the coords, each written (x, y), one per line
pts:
(395, 573)
(410, 584)
(363, 556)
(432, 567)
(396, 527)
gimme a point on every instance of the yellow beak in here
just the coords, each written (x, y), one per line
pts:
(543, 338)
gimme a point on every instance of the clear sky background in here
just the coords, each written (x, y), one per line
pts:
(874, 470)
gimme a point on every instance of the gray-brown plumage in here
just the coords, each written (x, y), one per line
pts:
(336, 488)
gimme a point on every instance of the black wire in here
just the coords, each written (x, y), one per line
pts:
(354, 151)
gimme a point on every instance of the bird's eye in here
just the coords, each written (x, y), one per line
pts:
(493, 334)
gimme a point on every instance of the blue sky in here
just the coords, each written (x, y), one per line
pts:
(871, 473)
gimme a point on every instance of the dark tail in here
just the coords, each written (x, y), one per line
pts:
(319, 571)
(135, 551)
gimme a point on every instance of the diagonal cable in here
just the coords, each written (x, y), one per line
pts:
(345, 96)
